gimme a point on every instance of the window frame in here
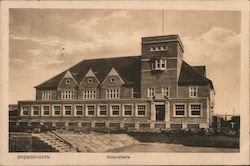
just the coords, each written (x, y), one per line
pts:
(53, 110)
(68, 90)
(46, 94)
(136, 110)
(111, 110)
(132, 110)
(185, 110)
(92, 94)
(64, 111)
(109, 93)
(27, 110)
(190, 111)
(75, 110)
(87, 111)
(158, 64)
(42, 110)
(167, 91)
(191, 88)
(149, 92)
(32, 110)
(99, 111)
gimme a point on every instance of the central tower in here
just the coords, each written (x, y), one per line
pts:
(160, 65)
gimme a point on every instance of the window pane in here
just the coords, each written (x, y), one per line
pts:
(79, 113)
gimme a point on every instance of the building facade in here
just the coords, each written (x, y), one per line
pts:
(157, 89)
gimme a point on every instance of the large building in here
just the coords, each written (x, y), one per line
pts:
(157, 89)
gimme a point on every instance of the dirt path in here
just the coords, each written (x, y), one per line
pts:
(164, 147)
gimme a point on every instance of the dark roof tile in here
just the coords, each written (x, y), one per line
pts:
(191, 76)
(101, 67)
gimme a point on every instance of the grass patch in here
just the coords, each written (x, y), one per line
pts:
(188, 139)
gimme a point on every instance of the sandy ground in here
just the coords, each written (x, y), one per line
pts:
(164, 147)
(124, 143)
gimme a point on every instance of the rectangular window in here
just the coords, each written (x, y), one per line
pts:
(151, 92)
(128, 110)
(112, 93)
(179, 110)
(141, 110)
(67, 94)
(115, 110)
(166, 91)
(67, 110)
(35, 110)
(195, 110)
(103, 109)
(89, 94)
(25, 110)
(193, 91)
(90, 110)
(56, 110)
(78, 110)
(46, 95)
(45, 110)
(160, 64)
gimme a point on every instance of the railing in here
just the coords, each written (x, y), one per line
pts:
(60, 138)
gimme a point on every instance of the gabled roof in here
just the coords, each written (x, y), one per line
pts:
(191, 76)
(127, 67)
(90, 73)
(113, 72)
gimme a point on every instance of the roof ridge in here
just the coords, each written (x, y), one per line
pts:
(111, 58)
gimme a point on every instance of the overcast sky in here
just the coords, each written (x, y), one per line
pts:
(44, 42)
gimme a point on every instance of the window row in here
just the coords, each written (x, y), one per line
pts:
(180, 110)
(165, 91)
(115, 110)
(87, 94)
(158, 48)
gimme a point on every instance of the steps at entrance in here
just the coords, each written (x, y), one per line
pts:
(52, 141)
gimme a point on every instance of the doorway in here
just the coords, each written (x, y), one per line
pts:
(160, 112)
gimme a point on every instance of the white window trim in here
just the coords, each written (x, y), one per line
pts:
(42, 110)
(111, 111)
(189, 110)
(83, 94)
(185, 110)
(118, 92)
(44, 96)
(136, 110)
(73, 94)
(32, 110)
(53, 110)
(75, 111)
(86, 110)
(196, 89)
(168, 90)
(123, 110)
(149, 92)
(98, 110)
(23, 110)
(161, 62)
(64, 111)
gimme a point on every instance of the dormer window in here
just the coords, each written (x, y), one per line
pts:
(159, 64)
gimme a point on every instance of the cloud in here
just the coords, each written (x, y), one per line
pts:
(219, 50)
(218, 45)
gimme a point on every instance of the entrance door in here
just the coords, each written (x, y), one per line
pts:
(160, 112)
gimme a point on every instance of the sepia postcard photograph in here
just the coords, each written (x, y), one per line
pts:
(104, 84)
